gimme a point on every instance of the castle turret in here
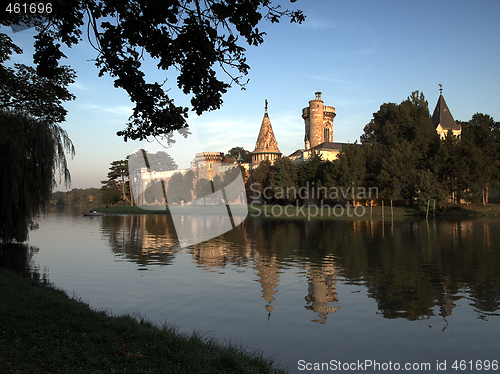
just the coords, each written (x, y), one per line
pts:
(266, 147)
(442, 118)
(318, 119)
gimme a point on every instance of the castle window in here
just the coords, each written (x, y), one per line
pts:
(327, 135)
(210, 166)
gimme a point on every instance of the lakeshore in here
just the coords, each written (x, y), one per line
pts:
(283, 286)
(313, 212)
(44, 330)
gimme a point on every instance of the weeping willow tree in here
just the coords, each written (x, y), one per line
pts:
(33, 157)
(33, 146)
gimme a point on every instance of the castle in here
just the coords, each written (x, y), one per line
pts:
(318, 138)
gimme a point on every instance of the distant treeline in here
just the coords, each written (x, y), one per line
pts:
(77, 196)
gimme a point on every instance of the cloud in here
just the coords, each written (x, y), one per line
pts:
(433, 53)
(120, 110)
(79, 86)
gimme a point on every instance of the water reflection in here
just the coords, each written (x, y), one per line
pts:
(144, 239)
(322, 281)
(19, 258)
(412, 269)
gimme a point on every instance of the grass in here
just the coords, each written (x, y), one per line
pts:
(130, 210)
(292, 211)
(44, 330)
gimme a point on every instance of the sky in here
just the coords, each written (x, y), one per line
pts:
(359, 54)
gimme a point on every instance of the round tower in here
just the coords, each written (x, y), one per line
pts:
(318, 120)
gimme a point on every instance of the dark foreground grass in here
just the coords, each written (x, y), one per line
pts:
(43, 330)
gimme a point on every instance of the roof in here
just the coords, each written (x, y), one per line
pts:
(442, 116)
(331, 146)
(266, 142)
(328, 146)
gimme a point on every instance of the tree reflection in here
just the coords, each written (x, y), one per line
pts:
(413, 269)
(19, 258)
(145, 239)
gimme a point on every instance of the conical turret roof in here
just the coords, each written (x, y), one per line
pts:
(266, 142)
(442, 116)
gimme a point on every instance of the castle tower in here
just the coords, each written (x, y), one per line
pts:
(205, 164)
(442, 118)
(318, 120)
(266, 147)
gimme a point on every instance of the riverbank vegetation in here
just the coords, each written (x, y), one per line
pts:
(44, 330)
(293, 211)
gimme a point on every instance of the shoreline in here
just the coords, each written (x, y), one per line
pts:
(45, 330)
(313, 212)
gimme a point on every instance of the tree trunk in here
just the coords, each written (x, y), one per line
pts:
(130, 191)
(125, 198)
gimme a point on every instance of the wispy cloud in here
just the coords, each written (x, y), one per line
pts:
(117, 110)
(79, 86)
(433, 53)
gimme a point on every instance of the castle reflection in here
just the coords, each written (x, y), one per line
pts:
(413, 269)
(322, 281)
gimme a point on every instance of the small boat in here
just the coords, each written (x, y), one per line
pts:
(93, 214)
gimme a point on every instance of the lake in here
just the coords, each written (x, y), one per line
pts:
(320, 294)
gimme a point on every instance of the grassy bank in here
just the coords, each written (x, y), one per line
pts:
(130, 210)
(292, 211)
(43, 330)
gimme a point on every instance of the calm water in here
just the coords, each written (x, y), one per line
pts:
(303, 292)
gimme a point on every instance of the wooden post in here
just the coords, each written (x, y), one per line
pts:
(428, 203)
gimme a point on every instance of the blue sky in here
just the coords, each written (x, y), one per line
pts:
(359, 54)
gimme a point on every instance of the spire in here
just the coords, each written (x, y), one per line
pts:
(266, 142)
(442, 115)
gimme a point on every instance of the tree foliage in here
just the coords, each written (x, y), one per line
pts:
(31, 154)
(286, 178)
(197, 40)
(481, 145)
(32, 145)
(117, 187)
(235, 152)
(203, 188)
(180, 187)
(401, 143)
(350, 169)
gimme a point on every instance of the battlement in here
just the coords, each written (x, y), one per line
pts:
(328, 111)
(209, 157)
